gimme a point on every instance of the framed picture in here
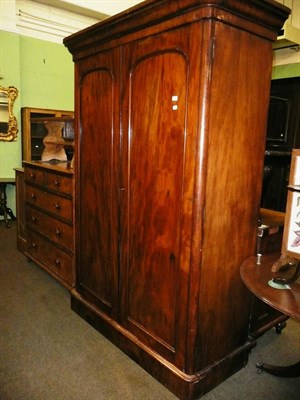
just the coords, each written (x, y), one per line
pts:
(291, 234)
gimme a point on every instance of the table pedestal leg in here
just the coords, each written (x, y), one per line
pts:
(4, 210)
(290, 371)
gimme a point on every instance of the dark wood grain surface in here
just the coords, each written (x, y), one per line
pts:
(170, 114)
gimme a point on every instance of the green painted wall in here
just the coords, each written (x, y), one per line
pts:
(46, 75)
(43, 72)
(286, 71)
(10, 152)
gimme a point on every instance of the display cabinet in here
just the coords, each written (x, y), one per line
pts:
(283, 134)
(34, 131)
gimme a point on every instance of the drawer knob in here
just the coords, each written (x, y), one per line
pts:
(56, 182)
(32, 175)
(33, 245)
(33, 196)
(58, 232)
(57, 261)
(33, 218)
(57, 206)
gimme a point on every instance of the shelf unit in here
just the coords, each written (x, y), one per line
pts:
(34, 131)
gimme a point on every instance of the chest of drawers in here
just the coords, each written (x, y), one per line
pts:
(49, 218)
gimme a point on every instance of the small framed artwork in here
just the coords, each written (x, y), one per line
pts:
(291, 234)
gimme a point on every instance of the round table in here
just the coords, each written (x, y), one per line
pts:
(258, 279)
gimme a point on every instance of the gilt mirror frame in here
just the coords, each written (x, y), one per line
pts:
(12, 125)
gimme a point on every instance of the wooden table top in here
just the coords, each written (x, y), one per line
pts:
(256, 278)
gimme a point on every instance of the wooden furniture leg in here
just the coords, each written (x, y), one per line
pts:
(4, 210)
(290, 371)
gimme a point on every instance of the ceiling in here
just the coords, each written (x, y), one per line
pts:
(92, 8)
(52, 20)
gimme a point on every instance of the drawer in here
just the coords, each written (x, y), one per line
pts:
(54, 229)
(55, 204)
(34, 175)
(50, 256)
(60, 183)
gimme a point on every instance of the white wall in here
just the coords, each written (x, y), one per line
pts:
(52, 20)
(289, 55)
(107, 7)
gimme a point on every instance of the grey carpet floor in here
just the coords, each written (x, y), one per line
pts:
(47, 352)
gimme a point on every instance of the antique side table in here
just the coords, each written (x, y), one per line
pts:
(258, 278)
(4, 210)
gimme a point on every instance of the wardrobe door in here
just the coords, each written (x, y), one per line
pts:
(157, 187)
(96, 187)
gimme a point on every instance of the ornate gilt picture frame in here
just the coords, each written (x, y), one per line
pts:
(8, 121)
